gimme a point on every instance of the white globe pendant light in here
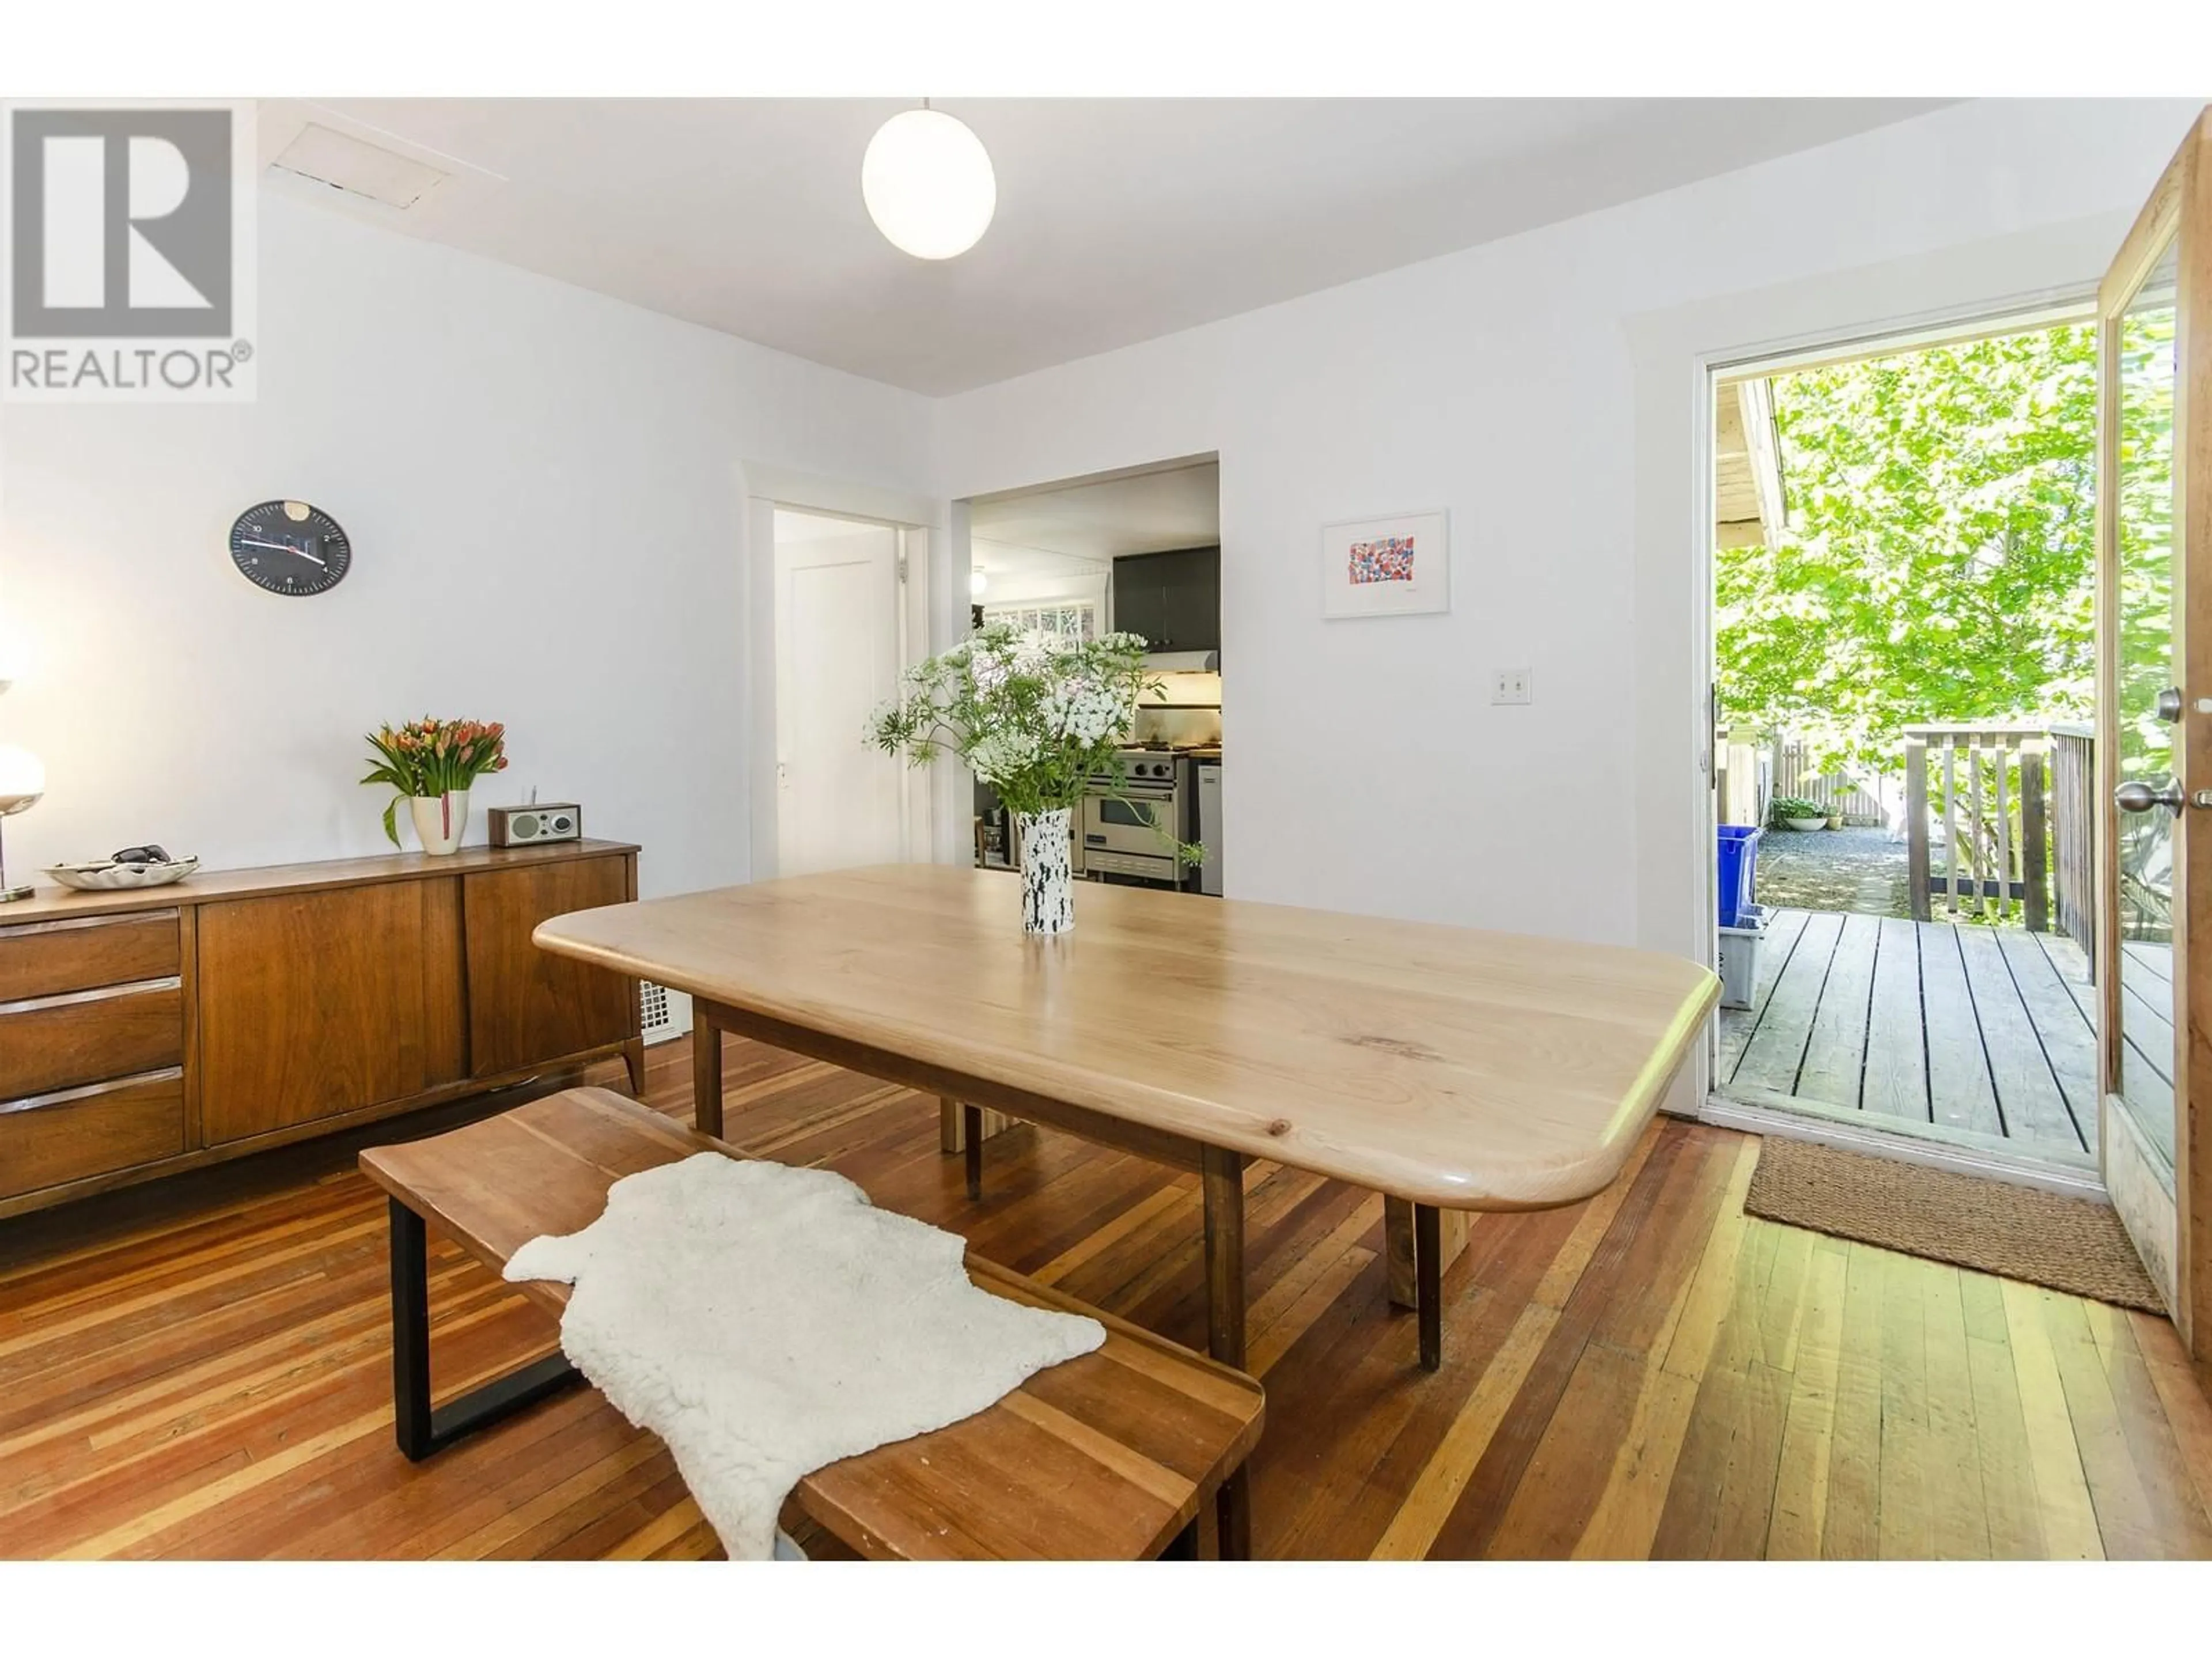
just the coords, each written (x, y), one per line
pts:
(927, 183)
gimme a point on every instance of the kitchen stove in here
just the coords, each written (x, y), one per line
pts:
(1133, 831)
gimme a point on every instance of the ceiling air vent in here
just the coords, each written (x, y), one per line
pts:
(357, 168)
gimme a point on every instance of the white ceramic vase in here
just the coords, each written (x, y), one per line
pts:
(439, 819)
(1047, 884)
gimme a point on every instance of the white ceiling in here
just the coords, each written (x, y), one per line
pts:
(1013, 567)
(1078, 528)
(1118, 219)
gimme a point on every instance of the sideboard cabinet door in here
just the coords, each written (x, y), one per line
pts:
(313, 1005)
(527, 1005)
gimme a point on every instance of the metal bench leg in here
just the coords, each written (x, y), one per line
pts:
(423, 1430)
(1428, 1271)
(972, 1137)
(1223, 1181)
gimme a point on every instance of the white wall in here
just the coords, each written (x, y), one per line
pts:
(1542, 389)
(543, 491)
(536, 476)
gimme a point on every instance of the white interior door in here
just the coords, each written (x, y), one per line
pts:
(840, 802)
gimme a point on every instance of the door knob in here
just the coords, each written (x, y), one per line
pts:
(2141, 797)
(2169, 705)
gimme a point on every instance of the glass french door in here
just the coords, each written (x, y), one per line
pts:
(2155, 727)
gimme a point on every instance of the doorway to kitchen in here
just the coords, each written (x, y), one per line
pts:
(1904, 761)
(845, 625)
(1134, 551)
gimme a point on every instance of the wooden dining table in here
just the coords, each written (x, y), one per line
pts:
(1448, 1068)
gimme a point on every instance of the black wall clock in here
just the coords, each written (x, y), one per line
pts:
(289, 547)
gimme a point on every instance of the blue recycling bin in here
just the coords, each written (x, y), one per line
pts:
(1739, 882)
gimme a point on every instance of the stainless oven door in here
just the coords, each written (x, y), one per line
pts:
(1131, 834)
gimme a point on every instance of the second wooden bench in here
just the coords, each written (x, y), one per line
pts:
(1111, 1456)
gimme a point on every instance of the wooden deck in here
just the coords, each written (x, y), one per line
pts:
(1983, 1035)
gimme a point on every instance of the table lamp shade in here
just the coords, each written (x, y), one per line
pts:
(22, 781)
(22, 778)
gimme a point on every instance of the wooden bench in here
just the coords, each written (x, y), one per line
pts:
(1112, 1456)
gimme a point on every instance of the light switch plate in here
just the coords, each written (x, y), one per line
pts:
(1511, 685)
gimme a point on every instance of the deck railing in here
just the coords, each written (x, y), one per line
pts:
(2013, 800)
(2073, 816)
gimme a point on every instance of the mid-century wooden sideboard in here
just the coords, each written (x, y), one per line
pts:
(151, 1032)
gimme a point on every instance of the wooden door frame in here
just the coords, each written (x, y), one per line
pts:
(2071, 304)
(2178, 210)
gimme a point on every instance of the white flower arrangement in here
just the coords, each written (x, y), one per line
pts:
(1033, 715)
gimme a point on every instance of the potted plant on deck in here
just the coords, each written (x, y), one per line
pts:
(430, 764)
(1036, 716)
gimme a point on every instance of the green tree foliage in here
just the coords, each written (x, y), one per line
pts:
(1940, 556)
(2145, 524)
(2146, 530)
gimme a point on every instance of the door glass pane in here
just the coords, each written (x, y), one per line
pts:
(2147, 667)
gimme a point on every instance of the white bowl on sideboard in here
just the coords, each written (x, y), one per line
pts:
(106, 876)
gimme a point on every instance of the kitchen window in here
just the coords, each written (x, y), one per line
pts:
(1073, 622)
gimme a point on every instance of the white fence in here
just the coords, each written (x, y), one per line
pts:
(1754, 766)
(1838, 791)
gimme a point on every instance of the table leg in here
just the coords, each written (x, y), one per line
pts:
(972, 1137)
(634, 1062)
(1223, 1180)
(1420, 1242)
(1402, 1277)
(952, 1137)
(1429, 1271)
(705, 1074)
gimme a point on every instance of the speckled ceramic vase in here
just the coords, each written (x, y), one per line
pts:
(1047, 884)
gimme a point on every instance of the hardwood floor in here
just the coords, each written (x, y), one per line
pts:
(204, 1368)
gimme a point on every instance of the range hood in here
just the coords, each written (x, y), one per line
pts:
(1177, 662)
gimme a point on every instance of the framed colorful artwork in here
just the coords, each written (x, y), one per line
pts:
(1385, 566)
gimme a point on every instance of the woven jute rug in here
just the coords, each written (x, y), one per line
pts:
(1991, 1226)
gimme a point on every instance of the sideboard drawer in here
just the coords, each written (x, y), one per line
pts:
(58, 1138)
(48, 959)
(89, 1036)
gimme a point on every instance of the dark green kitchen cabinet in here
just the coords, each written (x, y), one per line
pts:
(1173, 600)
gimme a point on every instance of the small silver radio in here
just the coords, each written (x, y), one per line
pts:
(526, 826)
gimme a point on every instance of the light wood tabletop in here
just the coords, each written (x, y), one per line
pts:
(1445, 1065)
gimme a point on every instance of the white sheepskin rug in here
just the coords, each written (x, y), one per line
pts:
(765, 1320)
